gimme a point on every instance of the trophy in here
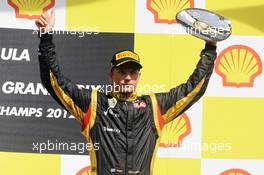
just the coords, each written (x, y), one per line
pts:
(204, 24)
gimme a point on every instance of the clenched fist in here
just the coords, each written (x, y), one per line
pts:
(45, 22)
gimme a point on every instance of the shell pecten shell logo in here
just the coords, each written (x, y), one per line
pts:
(30, 9)
(165, 10)
(174, 132)
(238, 65)
(85, 171)
(235, 172)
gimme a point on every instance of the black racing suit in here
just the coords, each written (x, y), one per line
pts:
(127, 129)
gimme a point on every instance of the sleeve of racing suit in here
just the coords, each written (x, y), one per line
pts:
(72, 98)
(179, 99)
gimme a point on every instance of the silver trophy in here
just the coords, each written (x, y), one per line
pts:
(204, 24)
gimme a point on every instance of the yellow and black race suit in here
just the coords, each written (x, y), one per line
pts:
(126, 129)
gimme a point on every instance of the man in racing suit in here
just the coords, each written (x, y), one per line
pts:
(126, 126)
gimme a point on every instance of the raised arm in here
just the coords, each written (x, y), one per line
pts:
(74, 99)
(180, 98)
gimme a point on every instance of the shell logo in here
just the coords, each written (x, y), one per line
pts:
(235, 172)
(165, 11)
(174, 132)
(238, 65)
(30, 9)
(85, 171)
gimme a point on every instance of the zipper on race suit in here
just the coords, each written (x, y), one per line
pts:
(126, 135)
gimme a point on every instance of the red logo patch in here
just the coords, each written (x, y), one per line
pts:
(138, 104)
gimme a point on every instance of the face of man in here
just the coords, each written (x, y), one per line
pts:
(125, 78)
